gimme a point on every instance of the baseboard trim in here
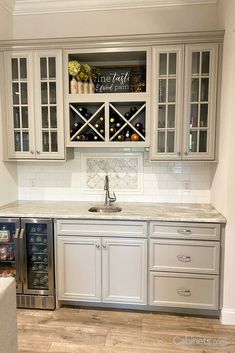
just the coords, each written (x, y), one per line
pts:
(227, 317)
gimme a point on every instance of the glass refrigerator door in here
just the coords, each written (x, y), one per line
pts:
(39, 274)
(9, 250)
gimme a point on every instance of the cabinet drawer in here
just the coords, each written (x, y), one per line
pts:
(101, 228)
(184, 256)
(185, 230)
(181, 290)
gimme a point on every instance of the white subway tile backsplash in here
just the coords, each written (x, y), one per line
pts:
(132, 176)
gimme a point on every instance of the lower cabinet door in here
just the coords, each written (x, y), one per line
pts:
(184, 290)
(79, 268)
(124, 270)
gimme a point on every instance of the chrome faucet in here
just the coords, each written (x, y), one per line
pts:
(108, 198)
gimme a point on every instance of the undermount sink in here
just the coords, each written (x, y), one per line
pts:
(104, 209)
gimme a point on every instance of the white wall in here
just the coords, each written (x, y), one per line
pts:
(223, 186)
(8, 176)
(6, 24)
(95, 23)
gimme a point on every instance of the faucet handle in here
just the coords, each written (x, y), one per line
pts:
(112, 198)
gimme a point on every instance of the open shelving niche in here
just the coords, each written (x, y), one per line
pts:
(88, 110)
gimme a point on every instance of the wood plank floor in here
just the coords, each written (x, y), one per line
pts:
(74, 330)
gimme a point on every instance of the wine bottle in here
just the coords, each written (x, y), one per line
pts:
(118, 125)
(127, 135)
(101, 130)
(135, 137)
(133, 110)
(81, 137)
(101, 119)
(112, 130)
(97, 126)
(138, 126)
(77, 125)
(121, 137)
(87, 115)
(112, 120)
(127, 115)
(82, 110)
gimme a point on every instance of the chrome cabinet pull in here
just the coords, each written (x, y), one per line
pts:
(184, 292)
(17, 256)
(184, 258)
(184, 231)
(22, 255)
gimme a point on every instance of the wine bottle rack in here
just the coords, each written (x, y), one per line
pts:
(87, 122)
(108, 122)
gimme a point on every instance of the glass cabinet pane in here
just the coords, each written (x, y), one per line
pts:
(25, 136)
(204, 89)
(161, 142)
(43, 68)
(44, 98)
(14, 69)
(171, 90)
(45, 122)
(45, 141)
(205, 63)
(52, 68)
(23, 69)
(171, 116)
(195, 63)
(170, 141)
(193, 141)
(204, 115)
(17, 141)
(194, 115)
(162, 91)
(52, 93)
(15, 93)
(162, 64)
(53, 117)
(172, 64)
(24, 93)
(194, 89)
(203, 141)
(16, 113)
(162, 116)
(54, 142)
(25, 118)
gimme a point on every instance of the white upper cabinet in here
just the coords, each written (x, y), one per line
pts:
(184, 102)
(107, 97)
(35, 105)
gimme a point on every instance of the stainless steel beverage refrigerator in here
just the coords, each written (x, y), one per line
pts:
(26, 253)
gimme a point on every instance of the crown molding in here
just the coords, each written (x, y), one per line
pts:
(8, 5)
(114, 41)
(27, 7)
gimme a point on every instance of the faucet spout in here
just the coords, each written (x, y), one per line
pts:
(108, 198)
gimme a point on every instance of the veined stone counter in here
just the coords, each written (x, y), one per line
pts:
(186, 212)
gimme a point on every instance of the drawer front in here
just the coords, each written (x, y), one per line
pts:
(185, 230)
(184, 256)
(181, 290)
(101, 228)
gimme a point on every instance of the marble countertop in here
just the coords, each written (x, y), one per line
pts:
(187, 212)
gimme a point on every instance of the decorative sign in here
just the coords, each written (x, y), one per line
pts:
(121, 79)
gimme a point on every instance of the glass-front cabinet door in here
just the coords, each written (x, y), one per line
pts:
(200, 101)
(49, 108)
(20, 124)
(167, 107)
(34, 105)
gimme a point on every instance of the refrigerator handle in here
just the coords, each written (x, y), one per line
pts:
(22, 251)
(17, 255)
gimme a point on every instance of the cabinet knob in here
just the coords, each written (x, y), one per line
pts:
(38, 152)
(104, 246)
(179, 153)
(32, 152)
(185, 153)
(98, 246)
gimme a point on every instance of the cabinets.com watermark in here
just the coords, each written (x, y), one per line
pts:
(196, 341)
